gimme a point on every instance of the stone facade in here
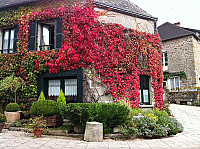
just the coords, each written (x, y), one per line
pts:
(184, 56)
(127, 21)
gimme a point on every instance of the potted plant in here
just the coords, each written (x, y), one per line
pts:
(37, 125)
(2, 121)
(49, 110)
(12, 112)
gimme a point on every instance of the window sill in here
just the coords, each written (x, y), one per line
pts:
(147, 106)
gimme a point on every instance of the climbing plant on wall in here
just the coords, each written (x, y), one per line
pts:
(118, 54)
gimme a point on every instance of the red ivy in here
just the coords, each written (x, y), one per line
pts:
(118, 54)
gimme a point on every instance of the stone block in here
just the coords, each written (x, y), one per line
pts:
(93, 132)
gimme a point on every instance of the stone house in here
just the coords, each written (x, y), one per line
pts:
(181, 63)
(48, 35)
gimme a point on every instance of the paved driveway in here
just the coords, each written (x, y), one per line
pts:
(189, 139)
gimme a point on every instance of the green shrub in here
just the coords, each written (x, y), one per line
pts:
(12, 107)
(44, 107)
(135, 112)
(130, 131)
(110, 115)
(41, 97)
(61, 102)
(2, 118)
(166, 121)
(178, 125)
(61, 98)
(147, 128)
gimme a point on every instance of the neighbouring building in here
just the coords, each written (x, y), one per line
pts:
(47, 35)
(181, 62)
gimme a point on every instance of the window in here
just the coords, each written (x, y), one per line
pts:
(71, 83)
(53, 89)
(165, 61)
(144, 90)
(175, 83)
(8, 40)
(47, 34)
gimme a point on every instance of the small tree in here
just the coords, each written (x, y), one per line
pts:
(12, 83)
(61, 100)
(41, 97)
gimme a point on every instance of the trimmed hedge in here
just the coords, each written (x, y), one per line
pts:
(12, 107)
(44, 107)
(110, 115)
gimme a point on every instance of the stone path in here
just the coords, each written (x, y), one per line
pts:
(189, 116)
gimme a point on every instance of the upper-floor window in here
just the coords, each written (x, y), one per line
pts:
(165, 61)
(47, 36)
(8, 41)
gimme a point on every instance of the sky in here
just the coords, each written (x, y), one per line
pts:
(187, 12)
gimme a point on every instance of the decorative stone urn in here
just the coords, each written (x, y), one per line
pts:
(11, 116)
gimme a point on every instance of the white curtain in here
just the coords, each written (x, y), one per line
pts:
(71, 87)
(54, 87)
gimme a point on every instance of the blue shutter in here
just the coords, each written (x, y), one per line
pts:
(58, 33)
(32, 43)
(16, 31)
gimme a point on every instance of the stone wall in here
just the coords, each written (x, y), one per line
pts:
(184, 55)
(127, 21)
(178, 97)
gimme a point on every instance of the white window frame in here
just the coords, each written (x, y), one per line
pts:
(164, 57)
(174, 81)
(9, 48)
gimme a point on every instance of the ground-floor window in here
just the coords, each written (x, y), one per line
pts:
(144, 90)
(175, 83)
(70, 82)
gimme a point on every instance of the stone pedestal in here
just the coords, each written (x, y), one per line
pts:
(93, 132)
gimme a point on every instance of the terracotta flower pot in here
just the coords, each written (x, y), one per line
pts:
(38, 132)
(1, 126)
(18, 118)
(11, 116)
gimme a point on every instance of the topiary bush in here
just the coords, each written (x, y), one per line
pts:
(2, 118)
(44, 107)
(12, 107)
(41, 97)
(110, 115)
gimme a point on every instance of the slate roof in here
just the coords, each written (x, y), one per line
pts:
(120, 5)
(169, 31)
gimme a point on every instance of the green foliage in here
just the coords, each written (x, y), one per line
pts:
(41, 97)
(44, 107)
(129, 131)
(110, 115)
(11, 83)
(12, 107)
(2, 118)
(147, 128)
(156, 124)
(178, 125)
(181, 74)
(37, 122)
(61, 100)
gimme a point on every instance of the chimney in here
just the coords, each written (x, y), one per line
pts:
(177, 24)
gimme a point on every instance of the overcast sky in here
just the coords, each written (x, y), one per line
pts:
(187, 12)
